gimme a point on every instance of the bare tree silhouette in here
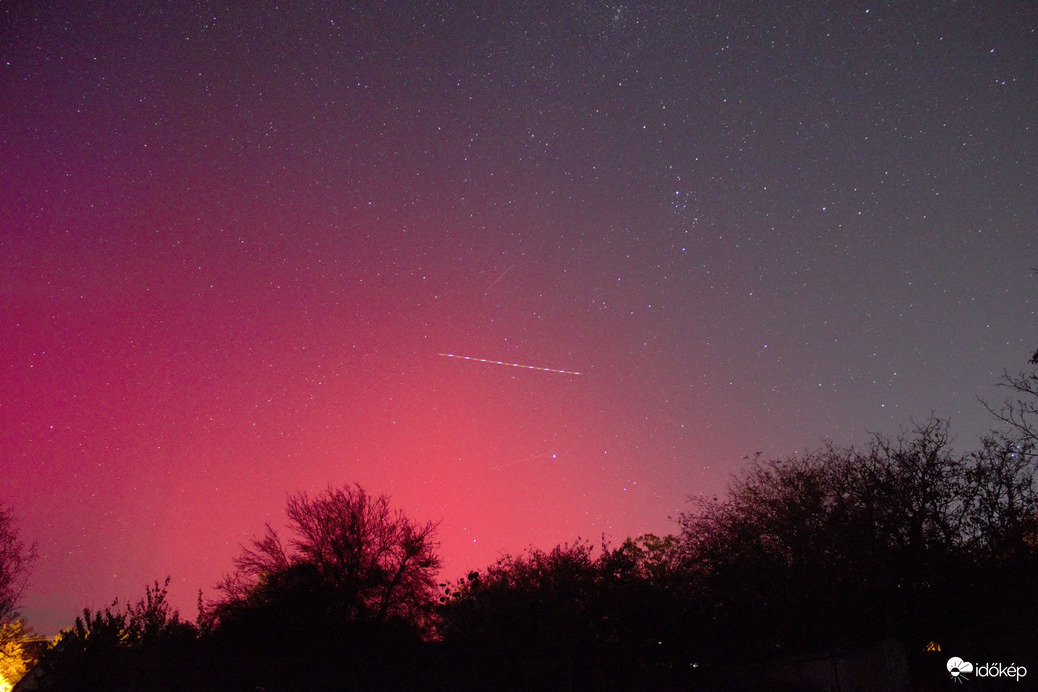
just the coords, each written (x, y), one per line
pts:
(15, 566)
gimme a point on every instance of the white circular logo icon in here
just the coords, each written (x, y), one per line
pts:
(957, 667)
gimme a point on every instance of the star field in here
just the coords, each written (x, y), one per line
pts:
(235, 243)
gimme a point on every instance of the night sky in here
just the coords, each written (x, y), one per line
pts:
(235, 245)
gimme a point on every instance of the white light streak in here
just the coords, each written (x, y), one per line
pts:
(494, 282)
(511, 365)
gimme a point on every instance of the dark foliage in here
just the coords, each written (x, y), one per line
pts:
(843, 546)
(370, 562)
(568, 619)
(345, 601)
(142, 646)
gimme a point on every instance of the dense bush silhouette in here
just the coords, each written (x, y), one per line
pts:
(566, 618)
(141, 646)
(844, 545)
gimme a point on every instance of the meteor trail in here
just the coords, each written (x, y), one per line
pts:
(492, 283)
(512, 365)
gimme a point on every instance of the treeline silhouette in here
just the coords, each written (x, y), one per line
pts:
(904, 544)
